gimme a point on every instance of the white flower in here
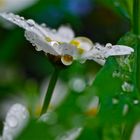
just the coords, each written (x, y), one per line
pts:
(63, 42)
(136, 132)
(16, 119)
(15, 5)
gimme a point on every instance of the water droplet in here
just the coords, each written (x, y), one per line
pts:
(127, 87)
(22, 18)
(116, 74)
(38, 48)
(108, 45)
(31, 22)
(43, 25)
(12, 121)
(54, 44)
(67, 60)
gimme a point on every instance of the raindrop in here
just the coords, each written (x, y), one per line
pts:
(43, 25)
(12, 121)
(38, 48)
(67, 60)
(116, 74)
(31, 22)
(22, 18)
(108, 45)
(54, 44)
(127, 87)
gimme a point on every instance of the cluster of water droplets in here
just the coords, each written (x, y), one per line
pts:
(15, 121)
(127, 87)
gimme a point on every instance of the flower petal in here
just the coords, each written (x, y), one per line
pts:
(63, 34)
(16, 120)
(34, 32)
(15, 5)
(118, 50)
(99, 53)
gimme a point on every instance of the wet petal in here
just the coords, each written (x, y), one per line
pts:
(118, 50)
(34, 32)
(15, 5)
(15, 121)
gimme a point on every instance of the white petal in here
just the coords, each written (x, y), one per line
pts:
(15, 5)
(15, 121)
(34, 32)
(68, 49)
(118, 50)
(63, 34)
(96, 54)
(136, 132)
(40, 44)
(99, 53)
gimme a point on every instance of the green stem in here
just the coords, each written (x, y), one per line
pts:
(50, 90)
(136, 8)
(136, 29)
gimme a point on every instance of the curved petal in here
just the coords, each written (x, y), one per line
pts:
(118, 50)
(15, 121)
(34, 32)
(63, 34)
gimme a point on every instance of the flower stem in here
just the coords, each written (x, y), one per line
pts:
(50, 90)
(136, 31)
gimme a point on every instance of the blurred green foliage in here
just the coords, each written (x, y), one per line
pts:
(22, 71)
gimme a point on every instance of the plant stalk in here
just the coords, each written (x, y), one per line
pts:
(50, 90)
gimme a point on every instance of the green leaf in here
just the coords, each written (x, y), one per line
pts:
(122, 7)
(36, 131)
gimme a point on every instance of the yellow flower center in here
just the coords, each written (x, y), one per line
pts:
(77, 44)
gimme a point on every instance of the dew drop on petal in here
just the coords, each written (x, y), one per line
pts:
(127, 87)
(43, 25)
(54, 43)
(108, 45)
(12, 121)
(38, 48)
(31, 22)
(67, 60)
